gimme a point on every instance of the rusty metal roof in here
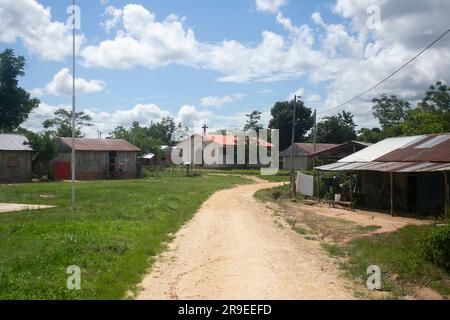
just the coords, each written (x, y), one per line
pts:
(386, 166)
(427, 153)
(82, 144)
(14, 142)
(432, 148)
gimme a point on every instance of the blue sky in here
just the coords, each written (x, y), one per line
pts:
(214, 61)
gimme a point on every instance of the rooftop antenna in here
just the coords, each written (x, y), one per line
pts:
(73, 106)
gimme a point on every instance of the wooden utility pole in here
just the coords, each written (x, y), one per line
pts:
(293, 191)
(446, 200)
(392, 192)
(73, 107)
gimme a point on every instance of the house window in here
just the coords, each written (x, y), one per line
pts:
(12, 162)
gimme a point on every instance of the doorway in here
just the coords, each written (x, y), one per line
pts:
(112, 158)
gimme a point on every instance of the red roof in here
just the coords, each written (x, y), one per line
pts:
(232, 140)
(82, 144)
(320, 147)
(222, 140)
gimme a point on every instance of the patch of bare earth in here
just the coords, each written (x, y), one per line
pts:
(236, 248)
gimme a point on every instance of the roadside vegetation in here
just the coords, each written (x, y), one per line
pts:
(414, 256)
(410, 258)
(113, 236)
(282, 175)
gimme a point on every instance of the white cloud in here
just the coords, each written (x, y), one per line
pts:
(114, 16)
(31, 23)
(189, 114)
(299, 93)
(61, 85)
(144, 41)
(313, 98)
(269, 5)
(212, 101)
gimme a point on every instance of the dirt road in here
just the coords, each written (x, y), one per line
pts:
(234, 249)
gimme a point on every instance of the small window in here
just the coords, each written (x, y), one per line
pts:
(12, 162)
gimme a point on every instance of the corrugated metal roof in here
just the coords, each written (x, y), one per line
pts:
(320, 147)
(381, 148)
(431, 148)
(403, 167)
(82, 144)
(14, 142)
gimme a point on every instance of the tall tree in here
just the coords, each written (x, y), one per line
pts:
(282, 120)
(63, 123)
(420, 121)
(390, 112)
(253, 122)
(15, 102)
(139, 136)
(373, 135)
(437, 98)
(337, 129)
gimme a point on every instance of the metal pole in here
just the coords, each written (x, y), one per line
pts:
(315, 138)
(73, 107)
(292, 148)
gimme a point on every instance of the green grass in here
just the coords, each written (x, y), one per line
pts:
(398, 253)
(282, 175)
(116, 231)
(269, 194)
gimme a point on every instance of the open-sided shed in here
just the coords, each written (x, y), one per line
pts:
(404, 174)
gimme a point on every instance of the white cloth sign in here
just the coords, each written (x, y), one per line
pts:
(305, 184)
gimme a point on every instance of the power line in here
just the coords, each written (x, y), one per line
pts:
(391, 75)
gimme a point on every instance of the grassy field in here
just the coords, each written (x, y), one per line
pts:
(282, 175)
(119, 226)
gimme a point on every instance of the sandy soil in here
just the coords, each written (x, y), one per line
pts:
(365, 218)
(233, 248)
(10, 207)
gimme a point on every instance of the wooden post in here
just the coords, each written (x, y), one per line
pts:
(446, 200)
(351, 190)
(293, 191)
(392, 192)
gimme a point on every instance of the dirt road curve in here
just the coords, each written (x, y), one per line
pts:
(233, 249)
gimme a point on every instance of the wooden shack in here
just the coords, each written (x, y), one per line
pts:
(15, 158)
(96, 159)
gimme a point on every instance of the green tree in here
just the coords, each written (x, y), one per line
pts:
(15, 102)
(337, 129)
(140, 137)
(373, 135)
(63, 123)
(437, 98)
(253, 122)
(390, 112)
(420, 121)
(45, 147)
(282, 120)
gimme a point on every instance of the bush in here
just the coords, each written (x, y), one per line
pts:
(437, 247)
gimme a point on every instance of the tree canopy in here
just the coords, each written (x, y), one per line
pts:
(15, 103)
(337, 129)
(253, 121)
(282, 120)
(63, 123)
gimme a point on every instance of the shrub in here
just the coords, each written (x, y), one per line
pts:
(436, 247)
